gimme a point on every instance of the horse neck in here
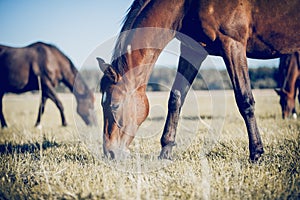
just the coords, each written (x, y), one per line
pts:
(74, 81)
(145, 43)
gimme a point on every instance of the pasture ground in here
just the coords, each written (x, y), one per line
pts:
(59, 163)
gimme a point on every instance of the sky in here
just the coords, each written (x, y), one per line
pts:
(78, 28)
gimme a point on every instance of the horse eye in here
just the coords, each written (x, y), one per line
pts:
(114, 106)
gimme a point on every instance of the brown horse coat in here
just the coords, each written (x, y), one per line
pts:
(232, 29)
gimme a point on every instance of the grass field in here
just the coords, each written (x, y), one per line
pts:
(211, 159)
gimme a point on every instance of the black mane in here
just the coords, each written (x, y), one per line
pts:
(136, 7)
(118, 61)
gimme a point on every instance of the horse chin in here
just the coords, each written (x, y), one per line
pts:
(90, 120)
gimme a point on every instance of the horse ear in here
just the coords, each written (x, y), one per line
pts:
(278, 91)
(103, 66)
(108, 70)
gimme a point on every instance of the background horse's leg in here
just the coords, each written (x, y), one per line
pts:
(236, 63)
(297, 89)
(298, 86)
(50, 91)
(189, 63)
(294, 112)
(3, 122)
(41, 110)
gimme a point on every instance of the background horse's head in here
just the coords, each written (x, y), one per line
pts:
(287, 103)
(85, 108)
(124, 109)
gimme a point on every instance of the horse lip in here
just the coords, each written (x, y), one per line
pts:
(89, 121)
(118, 154)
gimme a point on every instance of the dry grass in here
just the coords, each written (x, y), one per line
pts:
(67, 163)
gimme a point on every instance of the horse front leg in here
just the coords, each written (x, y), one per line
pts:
(50, 92)
(188, 66)
(236, 63)
(2, 119)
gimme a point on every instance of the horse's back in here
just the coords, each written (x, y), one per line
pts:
(268, 31)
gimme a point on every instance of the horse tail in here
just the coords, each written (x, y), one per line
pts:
(40, 86)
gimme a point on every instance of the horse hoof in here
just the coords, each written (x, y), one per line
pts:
(64, 124)
(254, 157)
(166, 152)
(164, 157)
(294, 116)
(39, 126)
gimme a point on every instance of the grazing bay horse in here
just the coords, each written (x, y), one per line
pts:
(43, 65)
(233, 29)
(289, 70)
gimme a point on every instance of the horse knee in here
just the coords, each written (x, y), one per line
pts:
(246, 106)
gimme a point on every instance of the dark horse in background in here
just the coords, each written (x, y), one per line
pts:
(233, 29)
(43, 65)
(289, 70)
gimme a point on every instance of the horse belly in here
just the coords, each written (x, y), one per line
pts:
(21, 87)
(272, 43)
(275, 31)
(19, 80)
(258, 50)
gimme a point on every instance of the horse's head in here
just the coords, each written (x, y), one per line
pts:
(287, 103)
(85, 107)
(124, 109)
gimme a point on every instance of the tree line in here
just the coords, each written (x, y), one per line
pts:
(162, 79)
(212, 79)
